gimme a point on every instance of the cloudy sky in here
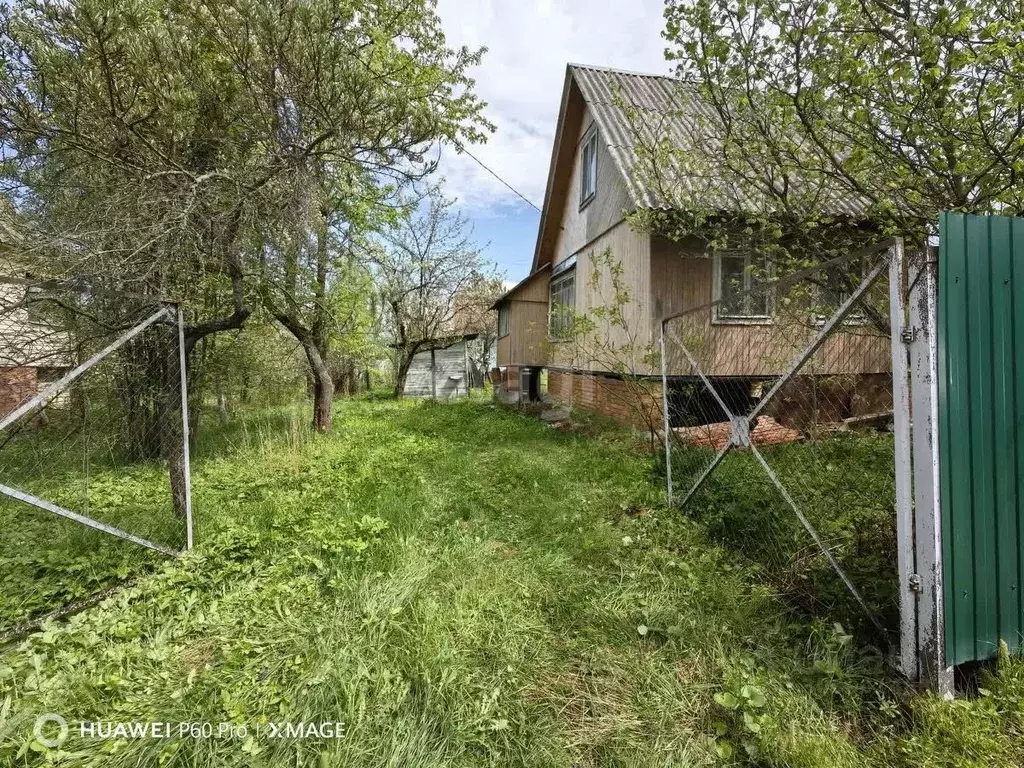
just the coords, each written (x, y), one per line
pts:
(529, 43)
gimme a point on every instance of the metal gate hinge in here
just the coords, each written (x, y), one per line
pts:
(909, 335)
(915, 582)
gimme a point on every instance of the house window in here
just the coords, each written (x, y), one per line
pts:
(588, 168)
(836, 284)
(563, 303)
(503, 320)
(740, 291)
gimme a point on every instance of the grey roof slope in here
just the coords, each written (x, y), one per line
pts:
(657, 97)
(669, 109)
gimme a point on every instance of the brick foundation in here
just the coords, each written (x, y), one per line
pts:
(17, 384)
(632, 403)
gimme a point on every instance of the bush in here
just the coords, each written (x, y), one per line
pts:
(844, 485)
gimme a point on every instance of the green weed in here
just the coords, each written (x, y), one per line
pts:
(463, 586)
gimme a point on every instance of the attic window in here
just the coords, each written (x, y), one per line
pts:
(588, 167)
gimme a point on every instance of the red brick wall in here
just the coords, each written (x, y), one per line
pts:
(16, 386)
(633, 403)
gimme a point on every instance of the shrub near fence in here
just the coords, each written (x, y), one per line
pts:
(852, 509)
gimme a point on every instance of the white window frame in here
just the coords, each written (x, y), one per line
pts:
(717, 315)
(588, 169)
(504, 320)
(565, 316)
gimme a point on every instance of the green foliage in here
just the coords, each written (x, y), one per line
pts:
(850, 506)
(463, 586)
(803, 116)
(226, 154)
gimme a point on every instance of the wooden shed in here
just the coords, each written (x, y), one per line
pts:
(442, 371)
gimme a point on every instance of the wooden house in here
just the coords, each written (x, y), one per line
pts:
(591, 189)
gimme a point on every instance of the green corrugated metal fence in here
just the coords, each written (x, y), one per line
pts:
(981, 415)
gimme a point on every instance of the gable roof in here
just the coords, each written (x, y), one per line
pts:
(604, 90)
(671, 109)
(658, 98)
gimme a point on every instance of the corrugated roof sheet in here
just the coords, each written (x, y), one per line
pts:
(666, 108)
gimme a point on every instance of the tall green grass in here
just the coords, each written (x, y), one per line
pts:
(464, 586)
(845, 486)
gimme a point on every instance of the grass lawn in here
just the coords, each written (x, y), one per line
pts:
(463, 586)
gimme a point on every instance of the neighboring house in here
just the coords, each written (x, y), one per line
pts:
(32, 353)
(591, 188)
(443, 370)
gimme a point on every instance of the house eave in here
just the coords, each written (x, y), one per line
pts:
(518, 286)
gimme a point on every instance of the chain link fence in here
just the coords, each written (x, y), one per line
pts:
(94, 465)
(781, 415)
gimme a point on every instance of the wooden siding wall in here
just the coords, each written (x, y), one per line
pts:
(528, 329)
(525, 342)
(534, 289)
(681, 280)
(504, 355)
(580, 227)
(616, 345)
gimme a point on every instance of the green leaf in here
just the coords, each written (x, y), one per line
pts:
(724, 749)
(753, 696)
(726, 700)
(750, 721)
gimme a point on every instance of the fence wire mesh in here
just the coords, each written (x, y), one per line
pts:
(93, 477)
(780, 407)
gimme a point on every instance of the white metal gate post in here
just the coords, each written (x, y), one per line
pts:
(185, 458)
(666, 418)
(933, 672)
(907, 660)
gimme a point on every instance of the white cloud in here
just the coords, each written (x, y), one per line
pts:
(521, 77)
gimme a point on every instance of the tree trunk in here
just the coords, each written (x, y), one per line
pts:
(320, 374)
(222, 404)
(401, 372)
(323, 389)
(170, 433)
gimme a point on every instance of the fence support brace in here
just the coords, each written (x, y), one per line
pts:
(54, 389)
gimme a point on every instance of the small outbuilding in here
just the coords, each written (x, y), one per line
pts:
(444, 369)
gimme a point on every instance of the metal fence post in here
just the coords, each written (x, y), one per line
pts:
(903, 464)
(666, 417)
(934, 672)
(186, 461)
